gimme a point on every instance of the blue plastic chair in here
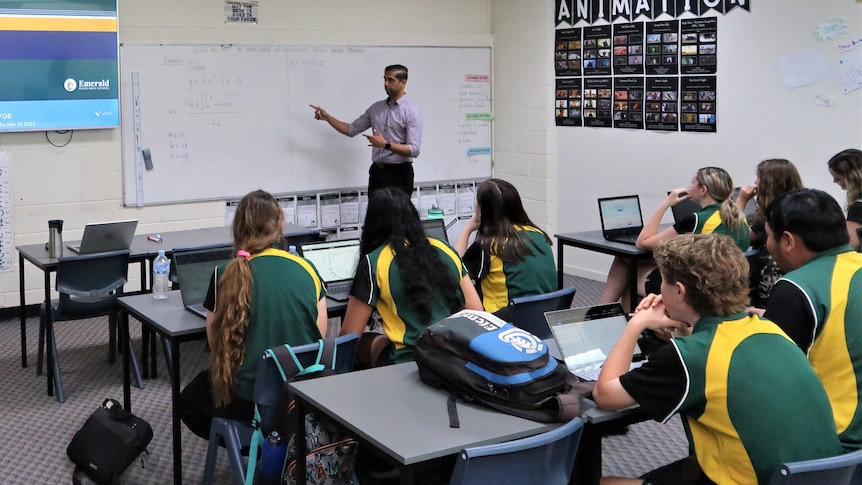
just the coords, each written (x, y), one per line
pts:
(546, 458)
(267, 391)
(835, 470)
(528, 312)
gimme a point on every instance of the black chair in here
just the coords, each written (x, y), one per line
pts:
(528, 312)
(88, 286)
(267, 391)
(845, 469)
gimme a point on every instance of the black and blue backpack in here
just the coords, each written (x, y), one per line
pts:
(477, 357)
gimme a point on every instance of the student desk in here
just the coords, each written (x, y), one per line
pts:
(170, 320)
(403, 419)
(594, 241)
(141, 251)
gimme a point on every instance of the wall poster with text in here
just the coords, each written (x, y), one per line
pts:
(629, 102)
(597, 50)
(567, 53)
(662, 48)
(662, 96)
(568, 102)
(697, 104)
(699, 46)
(598, 98)
(628, 52)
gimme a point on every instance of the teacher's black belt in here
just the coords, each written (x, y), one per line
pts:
(390, 165)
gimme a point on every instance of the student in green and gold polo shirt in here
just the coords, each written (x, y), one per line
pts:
(738, 381)
(819, 301)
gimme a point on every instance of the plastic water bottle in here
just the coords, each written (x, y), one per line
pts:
(292, 250)
(435, 212)
(272, 459)
(161, 282)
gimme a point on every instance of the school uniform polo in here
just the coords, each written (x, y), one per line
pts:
(854, 212)
(708, 221)
(498, 281)
(378, 283)
(819, 305)
(285, 290)
(749, 399)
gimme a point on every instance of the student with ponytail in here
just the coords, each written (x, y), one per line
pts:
(262, 298)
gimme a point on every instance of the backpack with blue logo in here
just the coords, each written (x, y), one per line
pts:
(477, 357)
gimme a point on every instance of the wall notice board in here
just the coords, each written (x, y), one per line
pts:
(217, 121)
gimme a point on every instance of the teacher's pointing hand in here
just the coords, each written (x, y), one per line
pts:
(320, 113)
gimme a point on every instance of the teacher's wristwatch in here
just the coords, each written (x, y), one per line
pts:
(388, 146)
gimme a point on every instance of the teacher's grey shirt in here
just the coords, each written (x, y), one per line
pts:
(398, 122)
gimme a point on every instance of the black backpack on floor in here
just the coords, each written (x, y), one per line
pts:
(478, 357)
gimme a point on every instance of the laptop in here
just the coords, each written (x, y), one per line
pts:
(195, 269)
(105, 236)
(586, 335)
(435, 228)
(621, 218)
(336, 263)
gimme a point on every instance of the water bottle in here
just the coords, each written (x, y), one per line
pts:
(161, 282)
(435, 212)
(292, 250)
(272, 459)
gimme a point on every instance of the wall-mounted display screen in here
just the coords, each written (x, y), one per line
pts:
(59, 66)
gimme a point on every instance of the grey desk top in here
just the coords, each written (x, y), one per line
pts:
(170, 318)
(408, 420)
(595, 241)
(167, 317)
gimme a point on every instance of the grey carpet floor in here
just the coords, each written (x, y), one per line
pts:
(37, 428)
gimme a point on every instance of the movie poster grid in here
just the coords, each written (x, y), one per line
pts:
(568, 102)
(697, 104)
(598, 98)
(629, 102)
(628, 48)
(661, 104)
(597, 50)
(699, 49)
(567, 53)
(662, 48)
(667, 48)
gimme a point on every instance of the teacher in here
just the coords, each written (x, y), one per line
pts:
(396, 127)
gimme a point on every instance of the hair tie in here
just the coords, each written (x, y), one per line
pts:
(242, 253)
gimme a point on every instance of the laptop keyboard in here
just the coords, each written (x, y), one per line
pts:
(338, 291)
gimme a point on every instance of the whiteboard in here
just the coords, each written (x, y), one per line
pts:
(221, 120)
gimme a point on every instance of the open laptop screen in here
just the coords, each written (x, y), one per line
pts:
(195, 270)
(435, 228)
(334, 260)
(620, 212)
(580, 330)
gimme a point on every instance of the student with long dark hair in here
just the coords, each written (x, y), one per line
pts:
(263, 297)
(412, 280)
(510, 257)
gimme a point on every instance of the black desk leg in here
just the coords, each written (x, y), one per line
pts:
(127, 380)
(298, 424)
(23, 310)
(588, 461)
(175, 404)
(560, 269)
(633, 282)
